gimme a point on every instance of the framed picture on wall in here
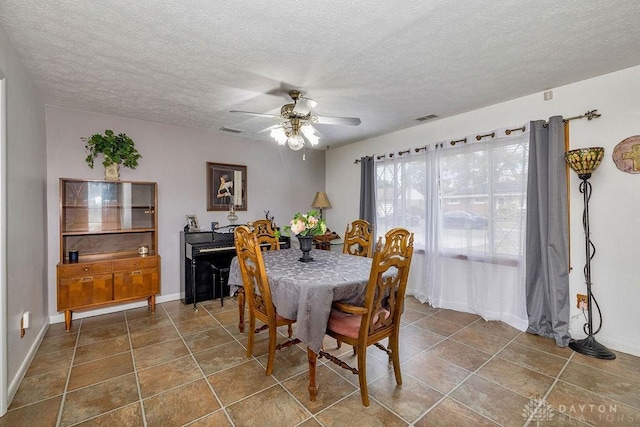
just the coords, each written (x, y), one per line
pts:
(226, 187)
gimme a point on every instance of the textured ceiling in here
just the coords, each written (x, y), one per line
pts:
(188, 62)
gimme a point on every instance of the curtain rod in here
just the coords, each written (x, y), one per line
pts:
(589, 115)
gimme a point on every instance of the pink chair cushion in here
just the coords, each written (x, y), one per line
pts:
(349, 324)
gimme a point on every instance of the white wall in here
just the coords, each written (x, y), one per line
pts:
(174, 157)
(25, 208)
(614, 207)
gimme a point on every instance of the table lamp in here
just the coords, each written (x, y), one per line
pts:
(321, 201)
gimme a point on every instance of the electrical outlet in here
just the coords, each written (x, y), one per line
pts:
(582, 302)
(22, 327)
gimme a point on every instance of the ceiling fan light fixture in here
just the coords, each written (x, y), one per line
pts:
(279, 135)
(295, 142)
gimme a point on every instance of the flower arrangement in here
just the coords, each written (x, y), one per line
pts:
(309, 224)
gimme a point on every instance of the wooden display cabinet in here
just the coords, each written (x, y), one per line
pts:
(107, 222)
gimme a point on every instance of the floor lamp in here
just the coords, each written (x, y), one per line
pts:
(321, 201)
(584, 161)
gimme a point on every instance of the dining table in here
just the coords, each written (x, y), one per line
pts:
(305, 291)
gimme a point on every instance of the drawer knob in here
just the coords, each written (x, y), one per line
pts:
(87, 279)
(86, 269)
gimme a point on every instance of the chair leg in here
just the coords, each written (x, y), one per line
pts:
(395, 357)
(241, 310)
(290, 330)
(272, 349)
(252, 333)
(362, 375)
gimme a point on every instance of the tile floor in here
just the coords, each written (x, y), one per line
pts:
(180, 367)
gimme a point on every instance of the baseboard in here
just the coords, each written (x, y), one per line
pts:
(59, 318)
(26, 362)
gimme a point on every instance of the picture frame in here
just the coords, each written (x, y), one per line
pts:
(192, 223)
(226, 187)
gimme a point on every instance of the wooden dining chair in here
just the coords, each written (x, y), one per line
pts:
(358, 239)
(266, 235)
(379, 317)
(258, 294)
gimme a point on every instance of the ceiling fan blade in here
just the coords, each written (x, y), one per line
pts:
(304, 106)
(348, 121)
(268, 128)
(271, 116)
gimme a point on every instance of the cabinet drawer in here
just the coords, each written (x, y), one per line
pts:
(137, 283)
(135, 263)
(88, 269)
(84, 291)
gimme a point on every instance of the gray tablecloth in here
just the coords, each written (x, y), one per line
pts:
(305, 291)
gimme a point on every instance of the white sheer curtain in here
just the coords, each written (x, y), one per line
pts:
(466, 205)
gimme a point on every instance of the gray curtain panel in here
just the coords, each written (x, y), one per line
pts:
(367, 190)
(547, 245)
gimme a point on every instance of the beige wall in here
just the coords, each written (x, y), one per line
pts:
(26, 286)
(174, 157)
(615, 203)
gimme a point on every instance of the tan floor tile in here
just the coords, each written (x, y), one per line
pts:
(376, 368)
(410, 316)
(466, 357)
(174, 306)
(273, 406)
(208, 339)
(516, 378)
(102, 349)
(155, 336)
(44, 362)
(498, 329)
(141, 312)
(544, 344)
(408, 400)
(199, 324)
(56, 329)
(603, 383)
(148, 323)
(58, 343)
(350, 412)
(163, 377)
(43, 413)
(586, 406)
(287, 362)
(413, 304)
(484, 342)
(94, 335)
(491, 400)
(187, 314)
(97, 399)
(438, 326)
(240, 381)
(331, 388)
(130, 415)
(458, 317)
(623, 365)
(227, 318)
(450, 413)
(216, 419)
(100, 370)
(40, 387)
(155, 354)
(222, 357)
(435, 372)
(180, 405)
(418, 337)
(539, 361)
(102, 320)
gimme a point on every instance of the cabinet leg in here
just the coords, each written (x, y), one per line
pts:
(67, 319)
(152, 303)
(241, 310)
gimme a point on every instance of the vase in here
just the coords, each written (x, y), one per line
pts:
(112, 172)
(305, 246)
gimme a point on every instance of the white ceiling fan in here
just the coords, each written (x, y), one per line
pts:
(296, 122)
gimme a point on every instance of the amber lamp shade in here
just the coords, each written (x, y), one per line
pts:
(584, 160)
